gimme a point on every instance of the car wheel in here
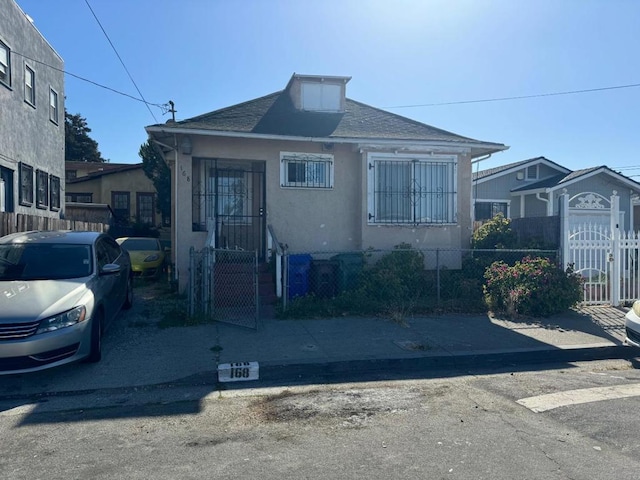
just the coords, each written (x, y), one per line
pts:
(128, 301)
(96, 339)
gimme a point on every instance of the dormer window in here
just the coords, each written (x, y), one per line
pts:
(321, 97)
(315, 93)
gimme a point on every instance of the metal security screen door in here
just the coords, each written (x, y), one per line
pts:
(229, 199)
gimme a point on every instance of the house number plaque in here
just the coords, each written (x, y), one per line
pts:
(238, 372)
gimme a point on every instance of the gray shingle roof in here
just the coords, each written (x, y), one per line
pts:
(275, 114)
(123, 167)
(492, 171)
(558, 180)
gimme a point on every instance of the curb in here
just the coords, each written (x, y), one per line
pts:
(350, 371)
(398, 368)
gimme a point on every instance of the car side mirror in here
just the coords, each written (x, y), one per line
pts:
(110, 269)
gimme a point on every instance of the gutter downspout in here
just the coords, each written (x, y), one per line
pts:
(546, 200)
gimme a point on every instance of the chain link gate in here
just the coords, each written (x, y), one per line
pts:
(223, 285)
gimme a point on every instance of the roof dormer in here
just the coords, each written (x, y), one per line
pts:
(317, 93)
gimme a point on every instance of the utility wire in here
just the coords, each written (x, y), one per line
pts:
(119, 58)
(502, 99)
(164, 107)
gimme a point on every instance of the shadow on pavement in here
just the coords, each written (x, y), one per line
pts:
(152, 371)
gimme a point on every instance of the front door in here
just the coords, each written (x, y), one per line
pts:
(232, 203)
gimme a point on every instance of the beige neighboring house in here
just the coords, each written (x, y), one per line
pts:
(124, 188)
(320, 171)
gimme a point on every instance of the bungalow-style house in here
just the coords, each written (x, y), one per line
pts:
(31, 118)
(533, 187)
(129, 193)
(318, 171)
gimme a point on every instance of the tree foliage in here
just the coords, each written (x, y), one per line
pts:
(79, 146)
(157, 170)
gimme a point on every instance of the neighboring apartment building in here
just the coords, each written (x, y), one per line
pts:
(31, 118)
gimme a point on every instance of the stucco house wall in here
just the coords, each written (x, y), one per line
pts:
(30, 133)
(393, 180)
(101, 186)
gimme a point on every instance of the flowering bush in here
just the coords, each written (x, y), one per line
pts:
(534, 286)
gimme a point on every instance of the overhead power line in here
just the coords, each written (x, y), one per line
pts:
(520, 97)
(121, 61)
(163, 106)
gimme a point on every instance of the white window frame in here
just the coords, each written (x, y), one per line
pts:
(29, 85)
(53, 106)
(493, 201)
(535, 175)
(5, 64)
(449, 203)
(318, 168)
(321, 97)
(2, 194)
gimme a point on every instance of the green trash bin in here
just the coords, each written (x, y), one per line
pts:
(349, 270)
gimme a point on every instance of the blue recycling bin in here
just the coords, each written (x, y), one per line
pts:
(298, 273)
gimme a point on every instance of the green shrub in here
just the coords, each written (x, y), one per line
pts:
(535, 286)
(494, 233)
(397, 277)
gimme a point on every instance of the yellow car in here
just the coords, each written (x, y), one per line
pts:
(148, 258)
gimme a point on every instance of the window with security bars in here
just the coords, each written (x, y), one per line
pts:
(412, 191)
(306, 170)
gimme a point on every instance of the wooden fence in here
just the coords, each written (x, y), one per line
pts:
(18, 222)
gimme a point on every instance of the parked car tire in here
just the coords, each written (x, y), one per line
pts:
(96, 340)
(128, 301)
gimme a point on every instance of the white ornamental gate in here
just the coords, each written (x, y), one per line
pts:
(605, 256)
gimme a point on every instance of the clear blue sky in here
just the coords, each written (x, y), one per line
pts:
(209, 54)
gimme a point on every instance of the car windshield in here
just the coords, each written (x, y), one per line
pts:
(140, 244)
(20, 261)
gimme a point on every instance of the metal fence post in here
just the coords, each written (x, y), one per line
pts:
(191, 281)
(438, 275)
(285, 280)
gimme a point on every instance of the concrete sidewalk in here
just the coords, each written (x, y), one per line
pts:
(136, 353)
(352, 347)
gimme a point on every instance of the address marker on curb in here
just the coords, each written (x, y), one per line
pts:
(238, 372)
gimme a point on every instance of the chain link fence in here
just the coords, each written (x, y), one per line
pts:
(223, 285)
(414, 278)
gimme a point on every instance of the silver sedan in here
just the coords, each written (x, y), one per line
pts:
(59, 291)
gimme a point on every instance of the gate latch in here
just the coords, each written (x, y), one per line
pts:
(611, 257)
